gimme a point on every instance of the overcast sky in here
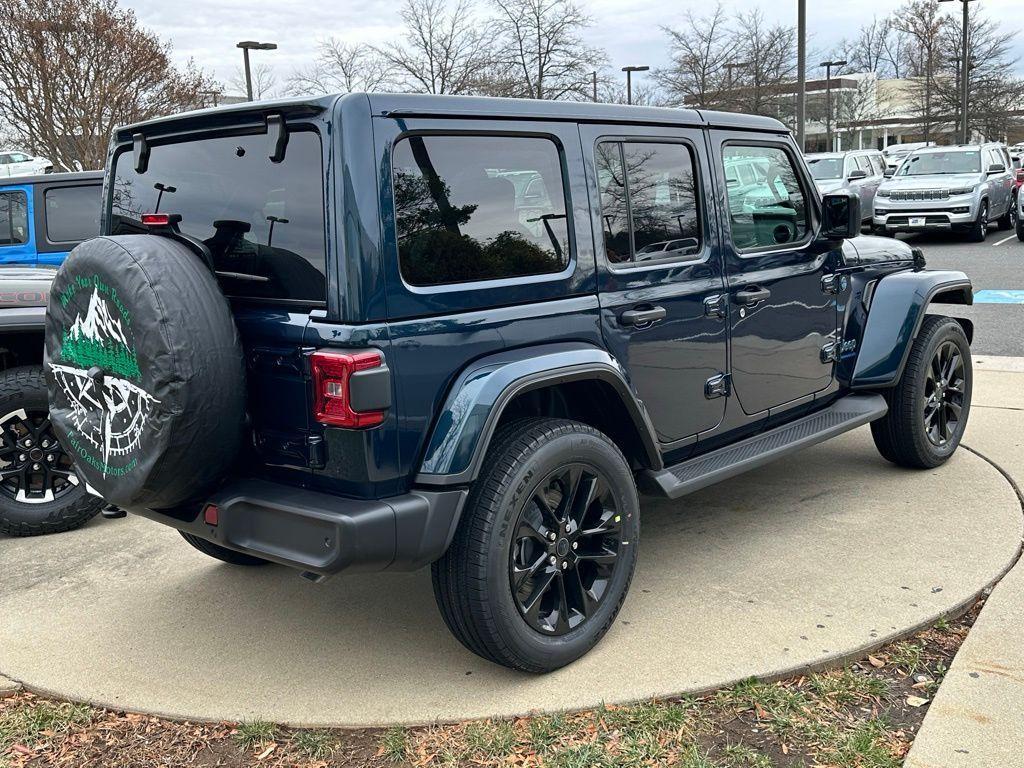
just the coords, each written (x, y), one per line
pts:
(207, 30)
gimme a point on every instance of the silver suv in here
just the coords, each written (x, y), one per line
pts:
(860, 171)
(960, 188)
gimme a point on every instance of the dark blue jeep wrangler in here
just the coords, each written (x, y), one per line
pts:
(381, 332)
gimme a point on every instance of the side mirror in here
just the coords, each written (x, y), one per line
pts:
(889, 172)
(996, 168)
(840, 215)
(858, 173)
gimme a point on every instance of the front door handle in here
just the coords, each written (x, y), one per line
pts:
(644, 316)
(750, 296)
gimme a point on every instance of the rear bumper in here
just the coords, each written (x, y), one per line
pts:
(321, 534)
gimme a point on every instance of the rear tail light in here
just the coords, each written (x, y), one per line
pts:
(332, 391)
(1020, 175)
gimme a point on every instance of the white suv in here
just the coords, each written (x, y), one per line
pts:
(14, 163)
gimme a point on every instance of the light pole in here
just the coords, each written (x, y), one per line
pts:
(965, 70)
(801, 73)
(828, 98)
(730, 66)
(629, 80)
(593, 77)
(252, 45)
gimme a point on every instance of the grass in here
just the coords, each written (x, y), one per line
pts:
(316, 745)
(907, 655)
(40, 721)
(250, 735)
(394, 745)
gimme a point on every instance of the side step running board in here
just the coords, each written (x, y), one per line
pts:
(845, 414)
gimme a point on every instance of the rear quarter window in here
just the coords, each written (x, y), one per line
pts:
(471, 208)
(72, 213)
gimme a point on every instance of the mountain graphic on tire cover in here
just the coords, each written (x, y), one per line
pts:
(98, 341)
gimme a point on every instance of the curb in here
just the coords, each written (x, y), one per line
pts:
(8, 687)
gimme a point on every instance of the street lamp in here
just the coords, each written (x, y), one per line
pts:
(964, 71)
(828, 98)
(801, 73)
(593, 77)
(629, 80)
(252, 45)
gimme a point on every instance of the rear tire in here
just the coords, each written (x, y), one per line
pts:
(218, 552)
(524, 524)
(1020, 227)
(929, 407)
(1007, 220)
(23, 391)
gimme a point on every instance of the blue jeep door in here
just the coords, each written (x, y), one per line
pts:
(659, 271)
(17, 243)
(782, 313)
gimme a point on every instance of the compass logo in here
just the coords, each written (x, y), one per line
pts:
(97, 372)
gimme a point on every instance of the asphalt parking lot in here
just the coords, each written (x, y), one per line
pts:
(995, 267)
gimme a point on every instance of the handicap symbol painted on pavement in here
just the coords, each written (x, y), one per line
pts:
(999, 297)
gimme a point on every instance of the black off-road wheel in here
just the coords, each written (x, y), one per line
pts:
(40, 490)
(221, 553)
(546, 547)
(1019, 225)
(928, 409)
(979, 229)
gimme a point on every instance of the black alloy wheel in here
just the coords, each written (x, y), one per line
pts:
(565, 549)
(944, 394)
(34, 468)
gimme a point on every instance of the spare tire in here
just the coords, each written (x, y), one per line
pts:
(144, 370)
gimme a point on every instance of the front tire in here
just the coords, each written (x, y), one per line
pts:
(929, 407)
(1019, 226)
(40, 491)
(979, 229)
(545, 550)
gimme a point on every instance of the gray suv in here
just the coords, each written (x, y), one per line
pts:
(860, 171)
(961, 188)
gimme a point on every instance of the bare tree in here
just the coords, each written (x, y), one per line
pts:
(921, 21)
(72, 70)
(700, 50)
(264, 82)
(344, 67)
(994, 91)
(543, 55)
(770, 56)
(443, 51)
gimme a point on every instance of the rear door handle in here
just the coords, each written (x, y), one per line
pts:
(644, 316)
(750, 296)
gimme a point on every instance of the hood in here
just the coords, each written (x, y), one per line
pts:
(937, 181)
(22, 286)
(829, 185)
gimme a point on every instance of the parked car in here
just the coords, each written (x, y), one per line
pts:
(860, 171)
(1019, 208)
(13, 163)
(961, 188)
(348, 340)
(43, 217)
(40, 490)
(895, 154)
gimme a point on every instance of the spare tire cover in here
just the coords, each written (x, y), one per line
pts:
(144, 370)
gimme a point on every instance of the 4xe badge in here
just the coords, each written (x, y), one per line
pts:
(97, 371)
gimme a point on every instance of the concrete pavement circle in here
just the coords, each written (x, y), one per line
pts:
(809, 560)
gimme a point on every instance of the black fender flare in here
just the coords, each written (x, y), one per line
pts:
(467, 420)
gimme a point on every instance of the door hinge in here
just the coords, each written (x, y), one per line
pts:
(717, 386)
(834, 283)
(830, 352)
(716, 306)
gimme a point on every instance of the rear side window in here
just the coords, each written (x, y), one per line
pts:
(649, 208)
(262, 221)
(772, 212)
(72, 213)
(13, 218)
(471, 208)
